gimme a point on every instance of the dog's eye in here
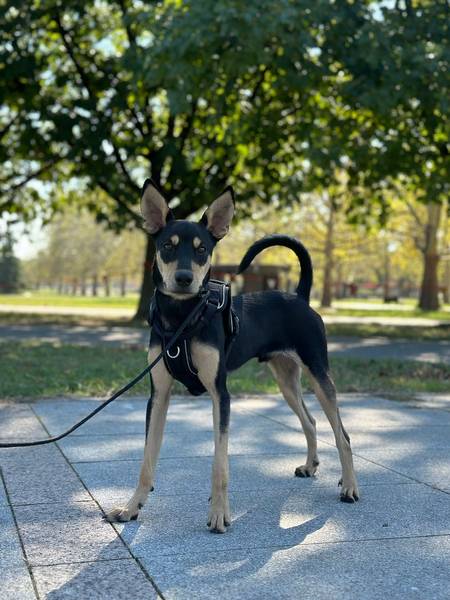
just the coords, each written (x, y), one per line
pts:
(168, 246)
(201, 249)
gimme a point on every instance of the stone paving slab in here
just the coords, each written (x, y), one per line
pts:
(15, 581)
(113, 482)
(289, 538)
(416, 440)
(40, 475)
(16, 584)
(10, 550)
(430, 466)
(119, 579)
(125, 416)
(359, 413)
(402, 569)
(3, 497)
(18, 422)
(64, 533)
(288, 518)
(266, 439)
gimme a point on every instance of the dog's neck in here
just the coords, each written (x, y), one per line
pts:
(173, 311)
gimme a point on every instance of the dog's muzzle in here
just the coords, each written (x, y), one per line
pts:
(184, 278)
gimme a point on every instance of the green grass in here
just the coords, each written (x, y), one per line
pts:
(14, 318)
(31, 370)
(441, 315)
(53, 299)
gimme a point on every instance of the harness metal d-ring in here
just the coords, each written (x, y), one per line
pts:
(177, 353)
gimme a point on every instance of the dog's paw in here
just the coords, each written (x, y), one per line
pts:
(349, 492)
(218, 520)
(121, 515)
(306, 471)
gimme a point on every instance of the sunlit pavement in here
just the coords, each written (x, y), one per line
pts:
(289, 537)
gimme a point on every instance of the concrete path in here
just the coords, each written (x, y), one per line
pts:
(128, 313)
(289, 538)
(376, 347)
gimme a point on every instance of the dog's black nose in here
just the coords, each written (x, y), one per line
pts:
(183, 277)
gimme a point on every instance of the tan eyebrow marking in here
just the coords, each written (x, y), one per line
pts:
(175, 239)
(197, 241)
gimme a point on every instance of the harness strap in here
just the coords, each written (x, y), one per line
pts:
(178, 361)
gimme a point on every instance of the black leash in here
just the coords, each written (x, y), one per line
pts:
(128, 386)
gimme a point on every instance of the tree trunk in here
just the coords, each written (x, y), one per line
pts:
(74, 286)
(327, 289)
(446, 285)
(83, 287)
(387, 275)
(338, 287)
(95, 285)
(106, 285)
(147, 282)
(429, 289)
(123, 284)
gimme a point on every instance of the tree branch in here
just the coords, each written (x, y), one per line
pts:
(409, 8)
(188, 125)
(130, 34)
(64, 37)
(259, 83)
(136, 217)
(414, 213)
(170, 126)
(8, 126)
(123, 168)
(85, 80)
(30, 176)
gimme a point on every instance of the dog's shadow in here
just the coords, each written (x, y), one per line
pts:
(250, 543)
(256, 533)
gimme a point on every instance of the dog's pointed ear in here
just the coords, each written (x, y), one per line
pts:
(218, 216)
(154, 208)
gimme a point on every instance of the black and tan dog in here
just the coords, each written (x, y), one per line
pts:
(276, 327)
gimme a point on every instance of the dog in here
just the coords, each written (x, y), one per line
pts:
(275, 327)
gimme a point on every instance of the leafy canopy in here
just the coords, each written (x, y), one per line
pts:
(276, 97)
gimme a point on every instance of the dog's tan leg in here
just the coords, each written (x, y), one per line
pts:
(162, 384)
(206, 359)
(325, 391)
(287, 373)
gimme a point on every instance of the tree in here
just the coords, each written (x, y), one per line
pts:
(81, 99)
(88, 95)
(9, 266)
(81, 253)
(271, 96)
(398, 71)
(194, 93)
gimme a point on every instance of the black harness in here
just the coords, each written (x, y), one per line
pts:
(216, 299)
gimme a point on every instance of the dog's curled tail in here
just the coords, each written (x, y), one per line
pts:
(306, 278)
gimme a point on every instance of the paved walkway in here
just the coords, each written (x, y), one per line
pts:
(289, 538)
(374, 347)
(128, 313)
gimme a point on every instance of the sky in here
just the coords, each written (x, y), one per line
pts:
(28, 239)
